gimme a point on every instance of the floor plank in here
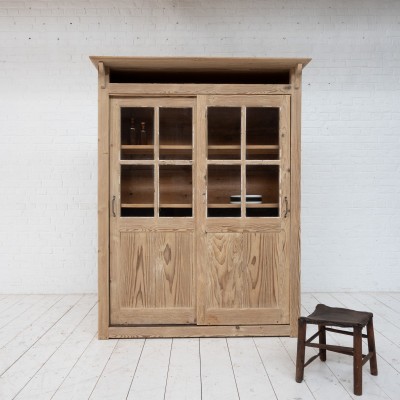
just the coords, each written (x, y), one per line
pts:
(13, 312)
(183, 381)
(150, 378)
(115, 381)
(251, 377)
(217, 377)
(10, 300)
(281, 369)
(26, 319)
(25, 339)
(16, 377)
(82, 378)
(54, 371)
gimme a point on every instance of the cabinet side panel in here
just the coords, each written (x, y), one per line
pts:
(262, 259)
(224, 270)
(136, 278)
(295, 166)
(174, 269)
(103, 207)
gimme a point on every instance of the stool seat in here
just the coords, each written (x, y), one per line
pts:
(335, 316)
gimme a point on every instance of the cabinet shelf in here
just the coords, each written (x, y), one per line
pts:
(137, 148)
(186, 205)
(248, 205)
(229, 149)
(143, 205)
(262, 149)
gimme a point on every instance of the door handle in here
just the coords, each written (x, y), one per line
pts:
(113, 206)
(286, 208)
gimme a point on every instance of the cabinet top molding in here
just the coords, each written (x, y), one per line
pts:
(193, 64)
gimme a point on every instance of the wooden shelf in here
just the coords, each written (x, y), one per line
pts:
(248, 205)
(137, 148)
(188, 205)
(144, 205)
(229, 149)
(258, 149)
(223, 205)
(261, 149)
(262, 205)
(175, 147)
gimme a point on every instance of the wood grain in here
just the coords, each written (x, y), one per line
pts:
(225, 264)
(261, 270)
(295, 195)
(103, 203)
(174, 269)
(248, 64)
(197, 331)
(136, 276)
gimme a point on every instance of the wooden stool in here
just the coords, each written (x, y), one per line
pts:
(325, 316)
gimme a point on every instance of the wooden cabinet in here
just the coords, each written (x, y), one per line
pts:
(199, 196)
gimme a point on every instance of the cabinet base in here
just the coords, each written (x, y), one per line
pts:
(170, 331)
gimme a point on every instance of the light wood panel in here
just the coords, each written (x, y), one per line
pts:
(136, 279)
(225, 268)
(262, 269)
(199, 63)
(120, 332)
(154, 282)
(295, 196)
(174, 269)
(245, 278)
(103, 202)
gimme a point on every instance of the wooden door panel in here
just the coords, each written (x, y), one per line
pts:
(262, 264)
(153, 279)
(225, 260)
(246, 279)
(135, 275)
(174, 269)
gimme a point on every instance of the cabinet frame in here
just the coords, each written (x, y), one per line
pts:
(106, 92)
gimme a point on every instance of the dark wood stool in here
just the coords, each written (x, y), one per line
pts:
(325, 316)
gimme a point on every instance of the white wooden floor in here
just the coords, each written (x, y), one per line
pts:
(49, 350)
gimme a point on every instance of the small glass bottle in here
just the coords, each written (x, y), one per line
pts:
(132, 133)
(143, 135)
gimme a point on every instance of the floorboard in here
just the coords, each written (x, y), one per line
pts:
(49, 350)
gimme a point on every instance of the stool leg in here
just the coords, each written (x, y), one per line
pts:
(357, 361)
(301, 350)
(371, 348)
(322, 340)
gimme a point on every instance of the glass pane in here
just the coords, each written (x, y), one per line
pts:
(137, 191)
(224, 128)
(137, 133)
(262, 190)
(224, 193)
(176, 125)
(176, 190)
(262, 133)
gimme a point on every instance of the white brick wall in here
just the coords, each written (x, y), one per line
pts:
(351, 126)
